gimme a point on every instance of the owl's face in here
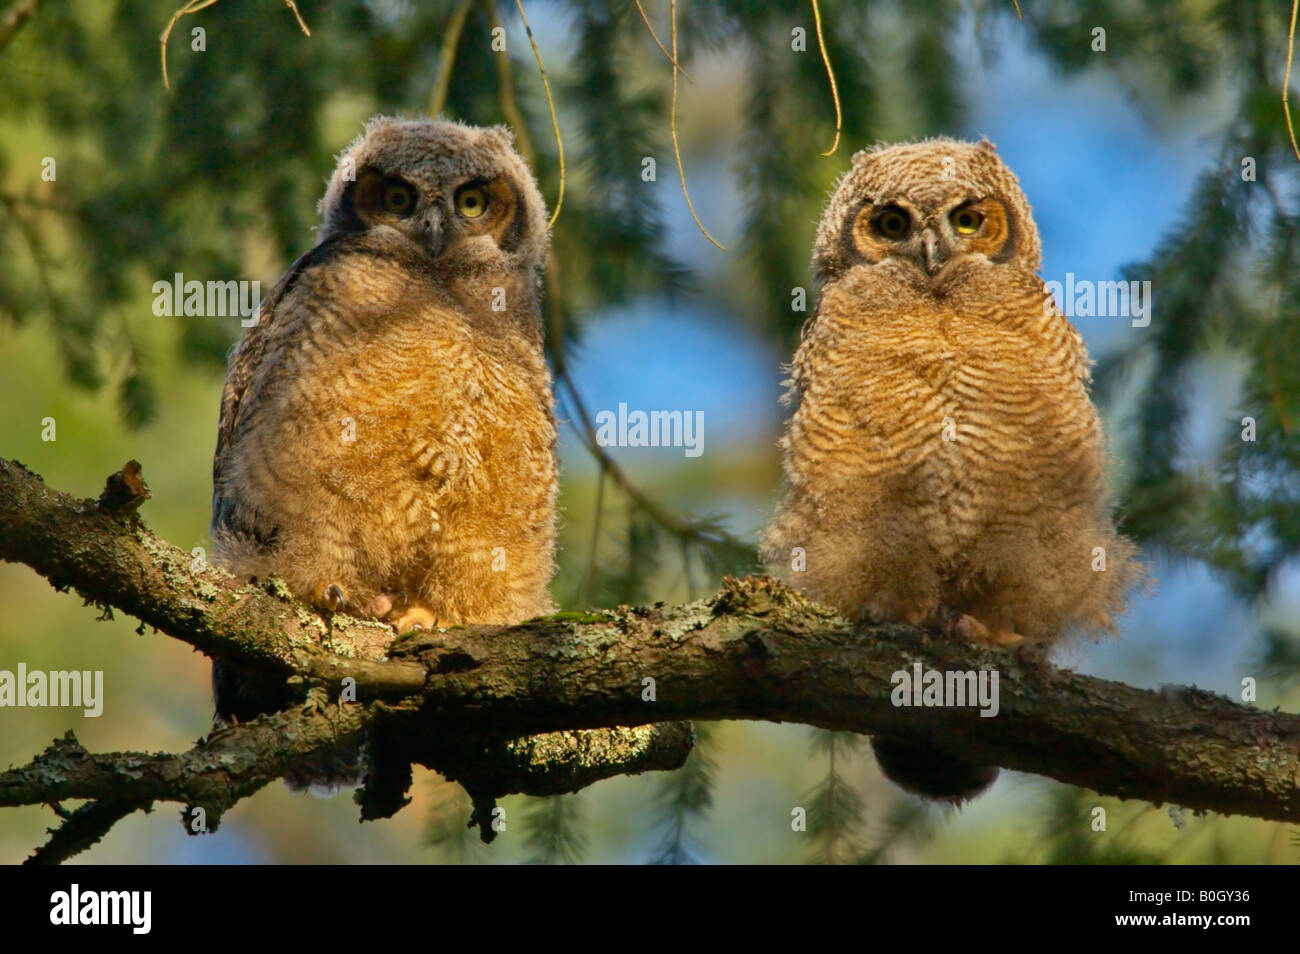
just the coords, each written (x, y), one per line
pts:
(460, 194)
(925, 207)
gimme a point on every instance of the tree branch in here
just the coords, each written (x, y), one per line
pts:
(760, 651)
(111, 559)
(229, 765)
(459, 699)
(82, 829)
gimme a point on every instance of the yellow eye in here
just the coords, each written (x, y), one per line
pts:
(399, 198)
(966, 221)
(471, 203)
(893, 223)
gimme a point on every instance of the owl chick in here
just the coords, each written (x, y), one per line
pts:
(387, 436)
(944, 463)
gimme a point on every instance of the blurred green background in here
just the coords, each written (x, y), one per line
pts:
(1132, 156)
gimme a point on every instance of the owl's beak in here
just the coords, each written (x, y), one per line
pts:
(936, 252)
(431, 226)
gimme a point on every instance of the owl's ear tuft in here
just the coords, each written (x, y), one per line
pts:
(377, 124)
(338, 210)
(864, 156)
(502, 134)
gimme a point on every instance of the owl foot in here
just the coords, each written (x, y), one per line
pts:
(317, 701)
(972, 630)
(414, 616)
(381, 607)
(400, 611)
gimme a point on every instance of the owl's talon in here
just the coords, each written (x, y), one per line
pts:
(316, 702)
(334, 598)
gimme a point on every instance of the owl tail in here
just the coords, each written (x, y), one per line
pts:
(931, 772)
(243, 695)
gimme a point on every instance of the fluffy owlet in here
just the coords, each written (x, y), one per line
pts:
(944, 462)
(387, 435)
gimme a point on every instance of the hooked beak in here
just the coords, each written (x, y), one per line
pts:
(431, 226)
(936, 252)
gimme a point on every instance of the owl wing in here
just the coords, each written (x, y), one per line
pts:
(796, 381)
(1063, 339)
(245, 359)
(1076, 351)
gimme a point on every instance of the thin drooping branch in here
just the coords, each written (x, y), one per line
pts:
(755, 651)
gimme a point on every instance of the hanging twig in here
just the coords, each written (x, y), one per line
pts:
(550, 105)
(1286, 79)
(514, 116)
(830, 75)
(194, 6)
(302, 24)
(677, 151)
(655, 36)
(506, 95)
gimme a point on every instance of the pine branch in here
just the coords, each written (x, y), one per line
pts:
(835, 809)
(683, 796)
(555, 831)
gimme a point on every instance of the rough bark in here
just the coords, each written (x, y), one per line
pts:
(756, 650)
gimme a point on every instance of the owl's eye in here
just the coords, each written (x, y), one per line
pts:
(399, 198)
(893, 223)
(471, 202)
(966, 221)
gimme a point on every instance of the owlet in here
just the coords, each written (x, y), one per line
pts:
(387, 435)
(944, 463)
